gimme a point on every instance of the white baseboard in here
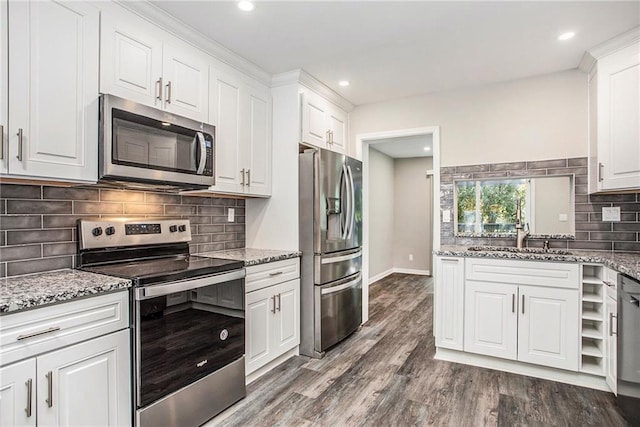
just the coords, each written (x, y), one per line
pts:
(398, 270)
(514, 367)
(412, 271)
(380, 276)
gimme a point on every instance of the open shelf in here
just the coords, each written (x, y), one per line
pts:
(592, 329)
(592, 303)
(590, 347)
(592, 365)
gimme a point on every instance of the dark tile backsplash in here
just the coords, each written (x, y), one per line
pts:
(38, 223)
(591, 231)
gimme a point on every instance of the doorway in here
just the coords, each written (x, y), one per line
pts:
(403, 145)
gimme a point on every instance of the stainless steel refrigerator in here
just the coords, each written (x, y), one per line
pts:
(331, 245)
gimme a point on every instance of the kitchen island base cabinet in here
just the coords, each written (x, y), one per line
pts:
(81, 385)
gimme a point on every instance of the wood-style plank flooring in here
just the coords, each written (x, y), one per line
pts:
(385, 375)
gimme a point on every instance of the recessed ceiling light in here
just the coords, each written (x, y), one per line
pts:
(343, 83)
(566, 36)
(246, 5)
(427, 148)
(166, 124)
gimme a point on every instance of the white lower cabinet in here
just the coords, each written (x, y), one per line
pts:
(67, 364)
(449, 295)
(611, 344)
(272, 310)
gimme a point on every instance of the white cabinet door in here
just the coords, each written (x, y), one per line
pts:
(87, 384)
(611, 344)
(4, 90)
(225, 102)
(491, 319)
(449, 295)
(337, 124)
(286, 327)
(18, 394)
(618, 128)
(186, 73)
(549, 327)
(131, 60)
(260, 318)
(53, 96)
(258, 145)
(314, 124)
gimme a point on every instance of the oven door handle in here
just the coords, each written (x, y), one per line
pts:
(185, 285)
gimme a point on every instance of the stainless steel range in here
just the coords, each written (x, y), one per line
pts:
(187, 313)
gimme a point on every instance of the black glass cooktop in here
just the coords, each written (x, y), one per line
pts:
(167, 269)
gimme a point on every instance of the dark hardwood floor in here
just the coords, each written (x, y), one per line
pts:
(385, 375)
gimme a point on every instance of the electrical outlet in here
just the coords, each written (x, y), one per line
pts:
(446, 215)
(611, 214)
(410, 257)
(231, 214)
(563, 218)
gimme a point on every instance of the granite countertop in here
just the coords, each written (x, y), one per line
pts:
(252, 256)
(34, 290)
(624, 262)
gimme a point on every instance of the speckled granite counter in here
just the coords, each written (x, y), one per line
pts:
(623, 262)
(253, 256)
(21, 292)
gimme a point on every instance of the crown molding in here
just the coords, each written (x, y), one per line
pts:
(621, 41)
(302, 77)
(159, 17)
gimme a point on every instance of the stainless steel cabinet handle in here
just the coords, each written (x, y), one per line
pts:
(248, 177)
(20, 138)
(522, 304)
(49, 389)
(274, 304)
(168, 97)
(1, 142)
(328, 136)
(29, 385)
(242, 173)
(331, 135)
(35, 334)
(159, 89)
(279, 303)
(600, 172)
(276, 273)
(513, 303)
(611, 317)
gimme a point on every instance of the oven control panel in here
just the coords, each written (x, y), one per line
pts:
(99, 233)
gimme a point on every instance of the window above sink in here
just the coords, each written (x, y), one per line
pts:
(487, 207)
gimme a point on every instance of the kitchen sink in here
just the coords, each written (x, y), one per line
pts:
(516, 250)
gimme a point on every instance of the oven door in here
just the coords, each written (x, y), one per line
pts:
(146, 144)
(185, 331)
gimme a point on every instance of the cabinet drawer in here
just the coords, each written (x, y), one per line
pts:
(263, 275)
(535, 273)
(28, 333)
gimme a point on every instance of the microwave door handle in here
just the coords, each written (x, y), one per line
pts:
(203, 153)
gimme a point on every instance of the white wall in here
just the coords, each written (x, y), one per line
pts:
(381, 208)
(412, 214)
(537, 118)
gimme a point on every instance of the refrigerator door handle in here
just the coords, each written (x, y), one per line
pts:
(338, 288)
(331, 260)
(352, 202)
(345, 174)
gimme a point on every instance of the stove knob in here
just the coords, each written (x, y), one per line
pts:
(97, 231)
(182, 228)
(109, 231)
(173, 228)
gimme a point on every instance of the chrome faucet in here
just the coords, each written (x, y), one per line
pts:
(521, 232)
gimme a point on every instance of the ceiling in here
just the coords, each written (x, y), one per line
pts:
(395, 49)
(405, 146)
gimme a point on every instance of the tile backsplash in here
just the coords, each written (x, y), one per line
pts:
(38, 223)
(591, 231)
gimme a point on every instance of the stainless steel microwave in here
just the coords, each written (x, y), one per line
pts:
(145, 145)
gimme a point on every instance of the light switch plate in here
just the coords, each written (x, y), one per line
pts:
(231, 214)
(611, 214)
(446, 215)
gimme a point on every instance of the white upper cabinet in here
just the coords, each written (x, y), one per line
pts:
(614, 120)
(146, 65)
(4, 89)
(323, 123)
(241, 110)
(52, 130)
